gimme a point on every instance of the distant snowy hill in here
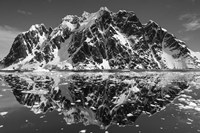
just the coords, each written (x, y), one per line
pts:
(101, 40)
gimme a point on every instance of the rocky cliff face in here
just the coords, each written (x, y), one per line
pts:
(26, 43)
(101, 40)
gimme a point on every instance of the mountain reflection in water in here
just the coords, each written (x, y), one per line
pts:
(100, 98)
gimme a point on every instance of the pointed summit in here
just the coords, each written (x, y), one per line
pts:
(85, 14)
(104, 9)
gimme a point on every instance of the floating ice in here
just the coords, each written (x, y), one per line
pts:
(82, 131)
(3, 113)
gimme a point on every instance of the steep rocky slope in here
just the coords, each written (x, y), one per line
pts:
(101, 40)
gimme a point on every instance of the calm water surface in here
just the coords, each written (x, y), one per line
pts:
(100, 102)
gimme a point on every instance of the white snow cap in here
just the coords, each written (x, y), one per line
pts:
(36, 26)
(85, 14)
(69, 18)
(104, 9)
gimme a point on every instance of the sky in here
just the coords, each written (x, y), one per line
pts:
(179, 17)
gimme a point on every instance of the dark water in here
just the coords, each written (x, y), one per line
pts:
(100, 102)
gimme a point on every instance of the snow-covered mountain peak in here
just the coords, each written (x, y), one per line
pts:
(37, 27)
(104, 9)
(100, 40)
(75, 23)
(69, 18)
(85, 15)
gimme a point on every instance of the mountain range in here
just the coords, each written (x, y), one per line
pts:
(100, 40)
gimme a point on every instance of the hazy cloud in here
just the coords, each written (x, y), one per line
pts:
(191, 21)
(7, 36)
(24, 12)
